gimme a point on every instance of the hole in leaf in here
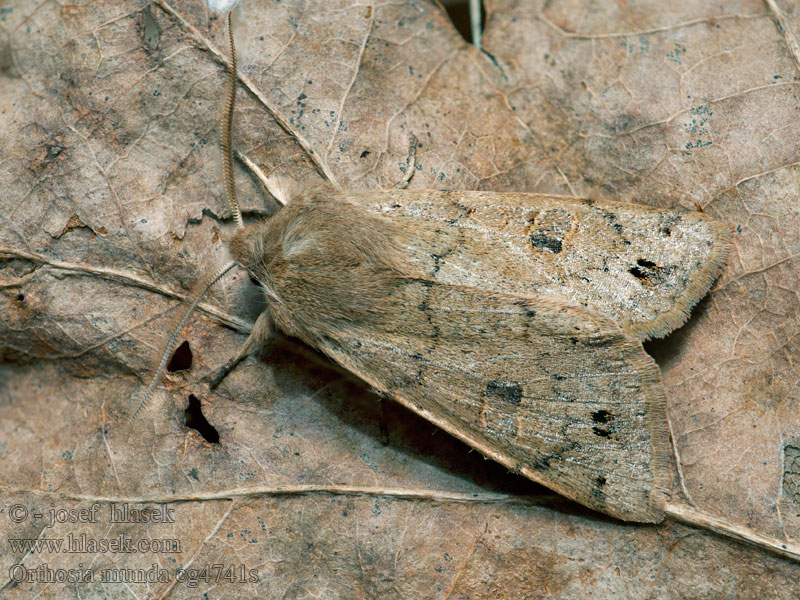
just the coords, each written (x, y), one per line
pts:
(458, 11)
(194, 419)
(181, 359)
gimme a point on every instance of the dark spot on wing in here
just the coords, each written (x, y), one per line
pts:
(667, 223)
(436, 258)
(465, 211)
(597, 491)
(649, 272)
(637, 272)
(600, 432)
(545, 242)
(601, 342)
(643, 269)
(529, 312)
(402, 381)
(612, 220)
(505, 390)
(541, 463)
(602, 416)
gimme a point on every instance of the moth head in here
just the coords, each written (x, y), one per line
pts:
(247, 244)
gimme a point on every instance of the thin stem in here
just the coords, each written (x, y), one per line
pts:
(475, 22)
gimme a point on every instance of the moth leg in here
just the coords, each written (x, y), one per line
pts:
(258, 337)
(411, 163)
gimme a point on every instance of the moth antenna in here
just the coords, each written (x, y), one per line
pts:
(227, 126)
(171, 343)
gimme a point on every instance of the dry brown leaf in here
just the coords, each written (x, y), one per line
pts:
(112, 208)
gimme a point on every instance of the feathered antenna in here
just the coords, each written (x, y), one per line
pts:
(227, 127)
(168, 350)
(227, 172)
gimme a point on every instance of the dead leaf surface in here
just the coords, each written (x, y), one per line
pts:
(112, 208)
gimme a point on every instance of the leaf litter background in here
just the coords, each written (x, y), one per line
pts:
(112, 208)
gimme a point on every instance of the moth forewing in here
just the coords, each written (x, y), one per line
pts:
(555, 391)
(643, 267)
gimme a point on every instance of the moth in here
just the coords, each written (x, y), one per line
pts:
(513, 321)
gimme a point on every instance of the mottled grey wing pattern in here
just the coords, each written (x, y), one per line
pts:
(645, 268)
(555, 392)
